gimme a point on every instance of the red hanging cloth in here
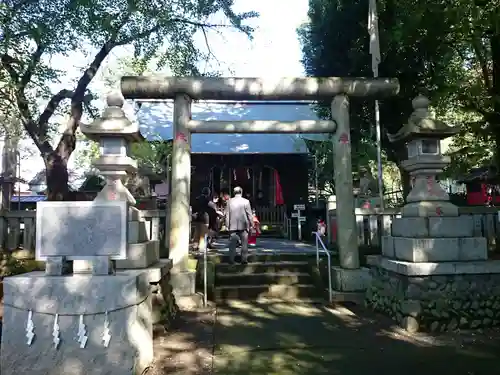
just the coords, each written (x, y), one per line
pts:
(279, 191)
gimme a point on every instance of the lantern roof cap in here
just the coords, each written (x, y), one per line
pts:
(113, 122)
(421, 124)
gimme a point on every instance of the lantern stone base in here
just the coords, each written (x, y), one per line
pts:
(127, 299)
(435, 249)
(434, 239)
(436, 296)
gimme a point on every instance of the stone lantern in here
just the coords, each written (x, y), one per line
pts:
(114, 132)
(431, 249)
(422, 135)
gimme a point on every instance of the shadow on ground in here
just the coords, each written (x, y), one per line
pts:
(250, 338)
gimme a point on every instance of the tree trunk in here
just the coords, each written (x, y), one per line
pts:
(57, 177)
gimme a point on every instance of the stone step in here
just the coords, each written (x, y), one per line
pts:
(263, 267)
(267, 278)
(265, 257)
(254, 292)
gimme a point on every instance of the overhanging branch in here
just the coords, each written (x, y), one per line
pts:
(51, 107)
(158, 26)
(30, 69)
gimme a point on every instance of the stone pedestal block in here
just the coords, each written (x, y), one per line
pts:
(388, 246)
(440, 249)
(126, 298)
(436, 296)
(439, 227)
(140, 255)
(137, 231)
(345, 280)
(183, 283)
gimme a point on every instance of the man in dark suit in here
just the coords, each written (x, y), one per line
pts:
(239, 221)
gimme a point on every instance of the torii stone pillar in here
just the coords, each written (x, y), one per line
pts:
(342, 164)
(181, 184)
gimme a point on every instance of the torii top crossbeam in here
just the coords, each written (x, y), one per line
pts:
(210, 88)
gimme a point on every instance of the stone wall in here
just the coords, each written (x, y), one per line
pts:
(165, 308)
(436, 303)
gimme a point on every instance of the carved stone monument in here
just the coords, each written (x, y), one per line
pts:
(89, 312)
(433, 272)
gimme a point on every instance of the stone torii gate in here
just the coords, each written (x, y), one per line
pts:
(185, 89)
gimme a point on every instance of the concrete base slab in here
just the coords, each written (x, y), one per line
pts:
(346, 280)
(435, 268)
(183, 283)
(126, 298)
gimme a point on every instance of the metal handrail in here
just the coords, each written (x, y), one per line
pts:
(324, 250)
(205, 283)
(285, 225)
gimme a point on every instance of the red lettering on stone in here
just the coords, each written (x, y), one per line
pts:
(439, 212)
(181, 137)
(344, 138)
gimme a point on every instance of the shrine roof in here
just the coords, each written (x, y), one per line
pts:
(155, 120)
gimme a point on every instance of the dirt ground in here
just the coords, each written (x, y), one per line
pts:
(252, 339)
(187, 348)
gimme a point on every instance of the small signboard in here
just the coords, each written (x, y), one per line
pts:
(296, 214)
(302, 219)
(298, 207)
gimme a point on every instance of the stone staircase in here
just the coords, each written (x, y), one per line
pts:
(284, 277)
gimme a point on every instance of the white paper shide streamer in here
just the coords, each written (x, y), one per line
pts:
(56, 332)
(106, 334)
(30, 328)
(82, 333)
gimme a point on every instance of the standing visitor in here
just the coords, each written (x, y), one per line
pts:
(239, 221)
(321, 227)
(223, 204)
(201, 218)
(213, 223)
(254, 231)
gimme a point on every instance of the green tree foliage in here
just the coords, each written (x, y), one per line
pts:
(416, 48)
(34, 32)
